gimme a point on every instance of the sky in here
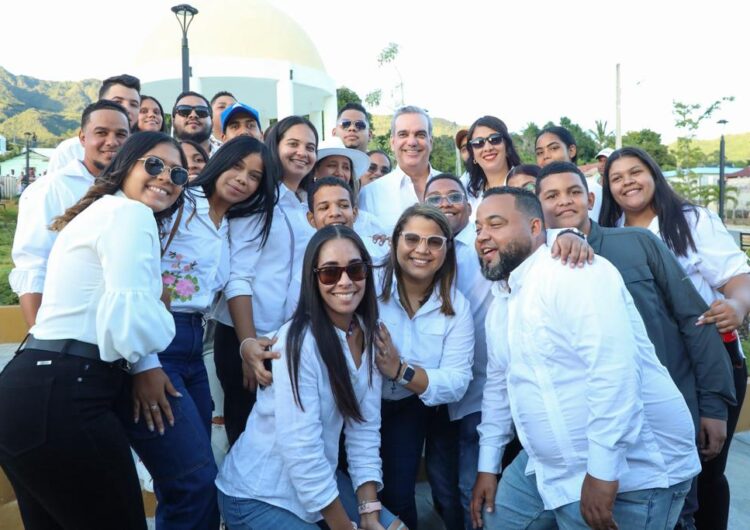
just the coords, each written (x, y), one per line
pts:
(523, 61)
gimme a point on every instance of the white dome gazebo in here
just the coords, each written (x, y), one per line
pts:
(250, 49)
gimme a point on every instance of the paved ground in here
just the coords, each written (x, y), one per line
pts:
(738, 473)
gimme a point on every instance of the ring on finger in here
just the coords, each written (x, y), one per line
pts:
(153, 406)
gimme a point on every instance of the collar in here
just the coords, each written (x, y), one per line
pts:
(467, 236)
(403, 177)
(516, 279)
(432, 302)
(76, 168)
(594, 239)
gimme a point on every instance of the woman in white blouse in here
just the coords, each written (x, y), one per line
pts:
(281, 473)
(61, 443)
(194, 267)
(635, 193)
(425, 353)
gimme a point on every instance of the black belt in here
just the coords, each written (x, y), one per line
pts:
(73, 347)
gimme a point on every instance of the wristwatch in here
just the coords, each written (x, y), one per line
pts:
(573, 231)
(408, 375)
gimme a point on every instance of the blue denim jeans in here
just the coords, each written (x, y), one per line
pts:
(408, 425)
(181, 461)
(251, 514)
(468, 459)
(519, 506)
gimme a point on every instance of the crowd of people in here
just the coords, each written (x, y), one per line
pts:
(560, 351)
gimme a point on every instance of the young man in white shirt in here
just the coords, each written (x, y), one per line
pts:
(411, 142)
(608, 437)
(219, 103)
(104, 128)
(123, 89)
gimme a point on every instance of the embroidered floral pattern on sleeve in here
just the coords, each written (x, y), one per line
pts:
(179, 282)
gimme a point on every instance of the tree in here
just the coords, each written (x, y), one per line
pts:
(525, 143)
(601, 136)
(688, 119)
(650, 142)
(346, 95)
(585, 145)
(443, 156)
(388, 55)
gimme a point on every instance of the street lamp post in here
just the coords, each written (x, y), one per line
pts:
(25, 179)
(722, 180)
(185, 14)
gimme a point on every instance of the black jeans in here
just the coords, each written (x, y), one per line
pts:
(62, 445)
(713, 488)
(238, 401)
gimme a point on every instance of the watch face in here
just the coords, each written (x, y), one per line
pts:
(408, 374)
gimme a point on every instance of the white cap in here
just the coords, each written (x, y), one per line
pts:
(606, 152)
(334, 146)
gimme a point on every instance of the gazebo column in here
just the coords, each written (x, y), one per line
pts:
(330, 110)
(285, 94)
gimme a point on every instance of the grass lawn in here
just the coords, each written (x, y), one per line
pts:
(7, 229)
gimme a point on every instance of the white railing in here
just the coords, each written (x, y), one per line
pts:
(8, 187)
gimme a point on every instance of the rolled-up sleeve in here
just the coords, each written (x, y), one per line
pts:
(720, 257)
(244, 252)
(449, 381)
(363, 439)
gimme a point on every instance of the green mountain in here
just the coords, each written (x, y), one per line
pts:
(440, 126)
(49, 109)
(737, 147)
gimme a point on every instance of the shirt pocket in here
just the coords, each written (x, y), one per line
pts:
(430, 341)
(638, 273)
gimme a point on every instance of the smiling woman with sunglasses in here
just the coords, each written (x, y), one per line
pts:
(61, 443)
(281, 473)
(425, 348)
(195, 266)
(491, 156)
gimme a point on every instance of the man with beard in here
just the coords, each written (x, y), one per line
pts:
(608, 438)
(123, 89)
(191, 119)
(104, 128)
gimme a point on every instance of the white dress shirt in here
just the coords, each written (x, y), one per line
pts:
(42, 201)
(570, 363)
(387, 197)
(442, 345)
(287, 457)
(478, 291)
(196, 264)
(103, 284)
(596, 189)
(264, 273)
(65, 152)
(717, 258)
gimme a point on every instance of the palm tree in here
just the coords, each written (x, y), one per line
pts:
(601, 137)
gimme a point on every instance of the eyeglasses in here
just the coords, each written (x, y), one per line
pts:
(383, 169)
(185, 110)
(493, 139)
(360, 125)
(529, 186)
(155, 166)
(454, 197)
(412, 241)
(332, 274)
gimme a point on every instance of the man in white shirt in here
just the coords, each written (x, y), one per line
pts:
(411, 142)
(123, 89)
(352, 127)
(104, 128)
(219, 103)
(191, 119)
(608, 437)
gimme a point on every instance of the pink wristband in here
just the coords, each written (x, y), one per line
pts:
(369, 507)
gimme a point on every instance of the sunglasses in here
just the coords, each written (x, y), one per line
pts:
(454, 197)
(412, 241)
(155, 166)
(359, 124)
(185, 110)
(374, 169)
(332, 274)
(493, 139)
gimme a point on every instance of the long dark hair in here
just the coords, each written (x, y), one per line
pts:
(311, 314)
(265, 197)
(111, 178)
(669, 207)
(276, 133)
(444, 276)
(477, 178)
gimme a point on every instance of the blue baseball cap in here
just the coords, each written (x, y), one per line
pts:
(235, 109)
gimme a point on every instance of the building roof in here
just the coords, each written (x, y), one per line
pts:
(744, 172)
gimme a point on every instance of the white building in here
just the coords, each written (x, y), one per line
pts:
(248, 48)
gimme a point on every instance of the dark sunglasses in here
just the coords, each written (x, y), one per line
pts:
(155, 166)
(454, 197)
(493, 139)
(412, 241)
(332, 274)
(184, 110)
(374, 169)
(359, 124)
